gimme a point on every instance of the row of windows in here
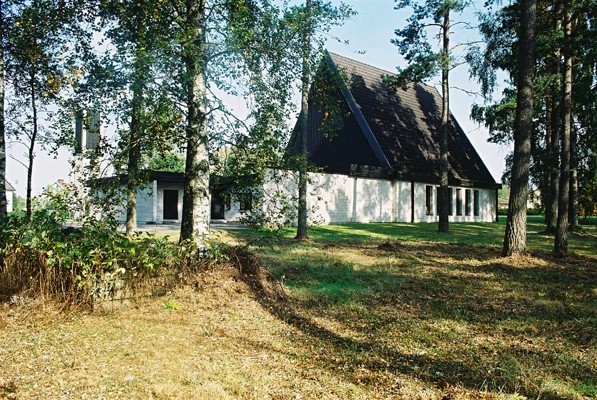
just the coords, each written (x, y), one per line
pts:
(469, 206)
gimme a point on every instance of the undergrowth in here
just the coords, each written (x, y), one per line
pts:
(80, 266)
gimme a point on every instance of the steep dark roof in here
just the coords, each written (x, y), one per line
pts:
(402, 126)
(8, 187)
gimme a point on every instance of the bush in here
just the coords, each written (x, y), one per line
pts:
(530, 211)
(81, 265)
(535, 211)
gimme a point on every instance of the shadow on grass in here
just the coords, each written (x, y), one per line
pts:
(448, 314)
(486, 234)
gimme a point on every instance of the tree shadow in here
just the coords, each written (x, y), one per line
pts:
(487, 293)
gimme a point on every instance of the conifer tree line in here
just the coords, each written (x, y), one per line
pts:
(160, 71)
(556, 152)
(546, 50)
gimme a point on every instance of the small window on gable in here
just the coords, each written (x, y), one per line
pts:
(476, 206)
(428, 200)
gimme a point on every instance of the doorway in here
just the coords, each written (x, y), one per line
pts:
(170, 204)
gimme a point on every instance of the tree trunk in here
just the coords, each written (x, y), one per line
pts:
(573, 206)
(196, 201)
(134, 157)
(516, 224)
(31, 153)
(551, 206)
(561, 239)
(3, 205)
(134, 147)
(444, 209)
(301, 230)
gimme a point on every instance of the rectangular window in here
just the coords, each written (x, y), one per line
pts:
(468, 202)
(458, 201)
(438, 200)
(428, 200)
(450, 203)
(476, 202)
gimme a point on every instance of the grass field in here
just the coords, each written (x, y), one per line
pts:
(372, 311)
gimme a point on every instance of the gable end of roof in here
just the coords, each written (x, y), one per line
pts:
(358, 114)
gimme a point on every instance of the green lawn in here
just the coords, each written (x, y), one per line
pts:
(487, 234)
(402, 305)
(364, 311)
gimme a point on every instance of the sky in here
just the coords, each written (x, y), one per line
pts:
(369, 34)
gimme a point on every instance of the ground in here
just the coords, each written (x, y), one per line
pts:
(353, 316)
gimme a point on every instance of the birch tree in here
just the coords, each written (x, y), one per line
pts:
(3, 30)
(37, 70)
(303, 119)
(136, 34)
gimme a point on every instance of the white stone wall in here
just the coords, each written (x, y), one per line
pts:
(150, 208)
(335, 198)
(145, 204)
(403, 202)
(9, 200)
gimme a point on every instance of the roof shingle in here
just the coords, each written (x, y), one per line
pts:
(406, 124)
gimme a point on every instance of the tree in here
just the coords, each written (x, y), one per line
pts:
(553, 124)
(561, 238)
(548, 102)
(515, 234)
(425, 63)
(301, 229)
(3, 209)
(137, 31)
(309, 22)
(168, 161)
(37, 70)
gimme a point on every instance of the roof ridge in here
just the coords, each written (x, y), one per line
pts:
(381, 71)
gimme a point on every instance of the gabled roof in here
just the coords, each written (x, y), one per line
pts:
(8, 187)
(403, 126)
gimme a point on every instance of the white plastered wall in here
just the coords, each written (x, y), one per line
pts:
(336, 198)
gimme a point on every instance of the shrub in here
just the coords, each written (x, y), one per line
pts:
(81, 265)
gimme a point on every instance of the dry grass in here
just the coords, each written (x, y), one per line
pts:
(373, 320)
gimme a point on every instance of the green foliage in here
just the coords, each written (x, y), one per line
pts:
(424, 61)
(18, 203)
(171, 304)
(167, 162)
(502, 211)
(80, 265)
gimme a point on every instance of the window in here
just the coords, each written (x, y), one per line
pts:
(476, 202)
(458, 201)
(428, 200)
(451, 207)
(438, 201)
(468, 203)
